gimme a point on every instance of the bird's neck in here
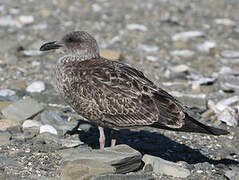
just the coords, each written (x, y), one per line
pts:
(80, 56)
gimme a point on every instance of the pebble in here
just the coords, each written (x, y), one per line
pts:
(96, 7)
(225, 70)
(138, 27)
(69, 143)
(22, 109)
(225, 22)
(7, 92)
(161, 166)
(183, 36)
(151, 58)
(26, 19)
(111, 54)
(9, 21)
(37, 86)
(180, 68)
(148, 48)
(47, 128)
(230, 116)
(206, 81)
(31, 53)
(230, 54)
(6, 123)
(206, 46)
(182, 53)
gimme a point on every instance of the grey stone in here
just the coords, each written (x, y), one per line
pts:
(121, 158)
(134, 176)
(4, 137)
(232, 174)
(62, 125)
(191, 100)
(22, 109)
(230, 116)
(9, 163)
(223, 104)
(161, 166)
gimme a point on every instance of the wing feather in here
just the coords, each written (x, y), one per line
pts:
(117, 96)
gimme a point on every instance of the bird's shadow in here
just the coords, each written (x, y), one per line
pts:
(151, 143)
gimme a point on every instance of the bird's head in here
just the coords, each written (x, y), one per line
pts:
(77, 43)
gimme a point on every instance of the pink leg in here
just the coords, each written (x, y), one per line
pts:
(113, 142)
(102, 137)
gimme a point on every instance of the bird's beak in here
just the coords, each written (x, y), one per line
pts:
(50, 46)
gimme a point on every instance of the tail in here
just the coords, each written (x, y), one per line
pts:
(191, 125)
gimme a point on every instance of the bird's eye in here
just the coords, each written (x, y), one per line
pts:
(70, 39)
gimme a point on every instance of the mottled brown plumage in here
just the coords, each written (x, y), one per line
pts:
(113, 94)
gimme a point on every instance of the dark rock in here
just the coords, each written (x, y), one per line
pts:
(119, 159)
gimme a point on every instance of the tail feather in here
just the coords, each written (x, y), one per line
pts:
(191, 125)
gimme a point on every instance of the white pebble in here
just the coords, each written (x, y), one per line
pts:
(9, 21)
(37, 86)
(187, 35)
(225, 22)
(139, 27)
(26, 19)
(206, 46)
(182, 53)
(225, 70)
(96, 7)
(48, 128)
(148, 48)
(32, 52)
(30, 123)
(7, 92)
(230, 54)
(151, 58)
(180, 68)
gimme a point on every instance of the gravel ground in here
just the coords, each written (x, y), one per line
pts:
(147, 36)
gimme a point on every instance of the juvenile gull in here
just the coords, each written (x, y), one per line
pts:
(115, 95)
